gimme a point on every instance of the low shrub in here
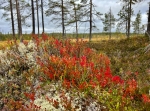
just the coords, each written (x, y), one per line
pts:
(71, 70)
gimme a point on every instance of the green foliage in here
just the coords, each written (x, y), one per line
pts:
(108, 21)
(137, 23)
(55, 9)
(6, 7)
(123, 17)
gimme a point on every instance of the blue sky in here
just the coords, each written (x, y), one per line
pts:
(103, 6)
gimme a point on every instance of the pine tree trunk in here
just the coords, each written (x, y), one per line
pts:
(12, 19)
(19, 21)
(63, 26)
(42, 15)
(75, 12)
(126, 27)
(37, 16)
(90, 36)
(33, 17)
(148, 25)
(129, 18)
(110, 25)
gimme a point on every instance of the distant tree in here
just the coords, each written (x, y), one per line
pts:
(90, 14)
(58, 10)
(9, 7)
(38, 24)
(125, 15)
(127, 8)
(19, 21)
(108, 22)
(137, 23)
(142, 29)
(76, 15)
(118, 30)
(32, 9)
(105, 23)
(123, 19)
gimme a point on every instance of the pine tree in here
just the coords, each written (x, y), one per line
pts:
(12, 19)
(137, 23)
(37, 9)
(58, 10)
(142, 29)
(76, 15)
(7, 6)
(42, 13)
(19, 20)
(16, 9)
(33, 17)
(127, 13)
(89, 13)
(109, 22)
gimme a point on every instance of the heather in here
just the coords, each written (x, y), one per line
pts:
(106, 75)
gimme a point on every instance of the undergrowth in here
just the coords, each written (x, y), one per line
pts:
(113, 73)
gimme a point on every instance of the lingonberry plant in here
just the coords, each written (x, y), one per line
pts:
(80, 67)
(77, 68)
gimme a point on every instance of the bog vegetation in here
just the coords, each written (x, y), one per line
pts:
(60, 73)
(113, 73)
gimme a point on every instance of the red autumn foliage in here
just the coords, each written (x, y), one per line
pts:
(83, 61)
(36, 39)
(31, 96)
(117, 80)
(145, 98)
(44, 37)
(81, 67)
(66, 84)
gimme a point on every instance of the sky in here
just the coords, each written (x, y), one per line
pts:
(102, 6)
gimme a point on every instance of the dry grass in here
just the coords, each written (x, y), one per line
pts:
(3, 44)
(95, 38)
(98, 38)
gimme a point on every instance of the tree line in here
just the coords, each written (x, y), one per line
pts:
(69, 13)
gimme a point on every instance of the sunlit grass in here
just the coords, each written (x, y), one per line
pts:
(95, 38)
(3, 44)
(100, 37)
